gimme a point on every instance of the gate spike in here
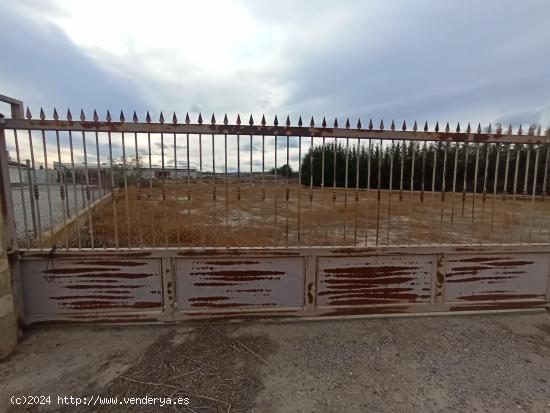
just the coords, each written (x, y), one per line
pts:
(238, 119)
(347, 123)
(213, 120)
(458, 127)
(499, 129)
(468, 128)
(312, 122)
(404, 127)
(251, 120)
(335, 122)
(161, 117)
(426, 126)
(276, 121)
(530, 130)
(415, 127)
(287, 121)
(42, 115)
(108, 117)
(392, 126)
(370, 124)
(55, 115)
(122, 119)
(300, 121)
(69, 115)
(381, 124)
(148, 117)
(135, 118)
(478, 128)
(95, 117)
(28, 115)
(447, 129)
(324, 123)
(437, 126)
(225, 120)
(489, 129)
(510, 129)
(359, 123)
(82, 115)
(200, 118)
(520, 130)
(174, 118)
(263, 120)
(187, 118)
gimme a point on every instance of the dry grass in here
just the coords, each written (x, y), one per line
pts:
(240, 215)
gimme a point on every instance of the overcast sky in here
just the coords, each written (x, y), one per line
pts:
(461, 60)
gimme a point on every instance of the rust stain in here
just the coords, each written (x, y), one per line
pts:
(309, 293)
(77, 270)
(483, 297)
(214, 284)
(95, 286)
(110, 262)
(473, 279)
(213, 298)
(499, 306)
(235, 262)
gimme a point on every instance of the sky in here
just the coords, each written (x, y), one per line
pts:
(425, 60)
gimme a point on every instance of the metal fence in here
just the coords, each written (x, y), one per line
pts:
(179, 184)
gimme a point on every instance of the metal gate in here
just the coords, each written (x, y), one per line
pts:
(116, 221)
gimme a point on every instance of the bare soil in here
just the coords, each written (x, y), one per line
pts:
(489, 363)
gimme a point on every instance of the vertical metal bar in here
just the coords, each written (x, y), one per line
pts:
(334, 174)
(200, 157)
(138, 186)
(476, 168)
(401, 173)
(100, 184)
(176, 180)
(47, 178)
(390, 192)
(151, 172)
(422, 187)
(21, 193)
(443, 188)
(434, 166)
(164, 187)
(346, 189)
(465, 182)
(543, 194)
(113, 191)
(90, 218)
(411, 209)
(518, 155)
(238, 170)
(379, 192)
(497, 147)
(310, 179)
(126, 190)
(213, 169)
(368, 191)
(275, 191)
(263, 167)
(31, 199)
(357, 164)
(74, 190)
(454, 191)
(287, 187)
(322, 196)
(36, 192)
(505, 189)
(225, 178)
(524, 193)
(299, 188)
(535, 176)
(251, 180)
(484, 196)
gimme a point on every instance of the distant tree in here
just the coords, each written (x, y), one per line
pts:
(283, 171)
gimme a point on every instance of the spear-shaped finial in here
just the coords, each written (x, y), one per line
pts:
(276, 121)
(530, 130)
(392, 126)
(324, 123)
(520, 131)
(359, 123)
(174, 118)
(82, 115)
(148, 117)
(404, 126)
(510, 129)
(225, 120)
(311, 123)
(347, 123)
(499, 129)
(300, 121)
(28, 114)
(135, 117)
(447, 129)
(213, 120)
(335, 122)
(55, 115)
(489, 129)
(69, 115)
(263, 122)
(238, 119)
(415, 127)
(161, 117)
(42, 115)
(200, 118)
(468, 128)
(251, 121)
(122, 119)
(187, 118)
(478, 128)
(381, 124)
(370, 124)
(437, 126)
(108, 117)
(458, 127)
(426, 126)
(287, 121)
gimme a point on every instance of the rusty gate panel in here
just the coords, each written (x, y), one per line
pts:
(91, 285)
(361, 281)
(243, 283)
(490, 277)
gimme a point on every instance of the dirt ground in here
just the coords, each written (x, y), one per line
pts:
(490, 363)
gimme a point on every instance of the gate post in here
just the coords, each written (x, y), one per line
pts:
(8, 315)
